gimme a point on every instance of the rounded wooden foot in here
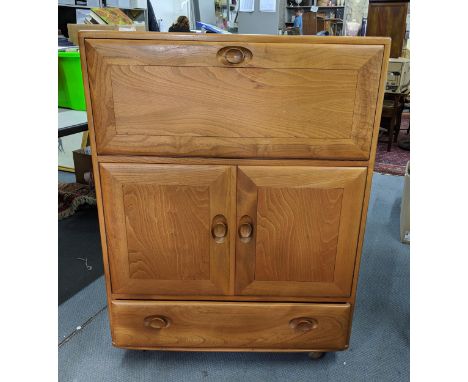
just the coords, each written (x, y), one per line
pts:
(316, 354)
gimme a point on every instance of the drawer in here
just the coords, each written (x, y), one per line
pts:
(244, 98)
(230, 326)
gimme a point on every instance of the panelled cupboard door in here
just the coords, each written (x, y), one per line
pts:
(298, 229)
(288, 98)
(168, 227)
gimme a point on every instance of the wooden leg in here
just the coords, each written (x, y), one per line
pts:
(391, 129)
(316, 354)
(397, 128)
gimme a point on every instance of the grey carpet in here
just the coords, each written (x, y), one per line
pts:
(76, 311)
(78, 237)
(379, 348)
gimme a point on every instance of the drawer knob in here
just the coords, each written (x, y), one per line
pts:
(157, 322)
(303, 324)
(234, 56)
(219, 228)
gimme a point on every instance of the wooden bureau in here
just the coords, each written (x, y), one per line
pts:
(233, 176)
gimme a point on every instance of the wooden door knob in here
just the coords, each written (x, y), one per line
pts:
(219, 229)
(245, 230)
(303, 324)
(157, 322)
(234, 56)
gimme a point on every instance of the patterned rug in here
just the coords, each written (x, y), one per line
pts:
(73, 195)
(393, 162)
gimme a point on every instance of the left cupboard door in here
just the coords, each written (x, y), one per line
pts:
(169, 228)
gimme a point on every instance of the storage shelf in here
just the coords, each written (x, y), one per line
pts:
(87, 7)
(338, 21)
(309, 6)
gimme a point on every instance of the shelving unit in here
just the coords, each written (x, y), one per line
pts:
(67, 12)
(226, 15)
(329, 17)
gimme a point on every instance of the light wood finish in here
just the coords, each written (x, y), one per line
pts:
(305, 239)
(137, 87)
(231, 297)
(161, 219)
(311, 101)
(227, 161)
(200, 154)
(370, 173)
(230, 325)
(96, 177)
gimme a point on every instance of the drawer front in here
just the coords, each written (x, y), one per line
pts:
(233, 99)
(222, 325)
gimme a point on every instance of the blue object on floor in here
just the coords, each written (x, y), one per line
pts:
(379, 347)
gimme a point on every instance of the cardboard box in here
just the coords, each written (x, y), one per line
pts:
(405, 209)
(83, 165)
(73, 29)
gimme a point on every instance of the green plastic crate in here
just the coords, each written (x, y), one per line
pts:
(70, 81)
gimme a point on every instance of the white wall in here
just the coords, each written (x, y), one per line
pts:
(259, 22)
(169, 10)
(207, 11)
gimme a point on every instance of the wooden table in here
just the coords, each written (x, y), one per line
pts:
(71, 122)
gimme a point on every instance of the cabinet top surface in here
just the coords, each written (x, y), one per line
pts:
(213, 37)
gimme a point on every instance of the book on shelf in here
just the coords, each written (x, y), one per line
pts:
(113, 16)
(93, 18)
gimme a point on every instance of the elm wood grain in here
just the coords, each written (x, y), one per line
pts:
(166, 228)
(227, 161)
(96, 177)
(370, 172)
(237, 325)
(274, 55)
(232, 350)
(306, 245)
(236, 161)
(328, 116)
(148, 100)
(231, 297)
(159, 225)
(355, 41)
(229, 349)
(297, 233)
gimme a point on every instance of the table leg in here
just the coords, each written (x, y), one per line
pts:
(391, 130)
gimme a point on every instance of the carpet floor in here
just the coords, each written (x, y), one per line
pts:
(79, 250)
(379, 347)
(393, 162)
(79, 245)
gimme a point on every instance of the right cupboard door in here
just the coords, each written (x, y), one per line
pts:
(298, 229)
